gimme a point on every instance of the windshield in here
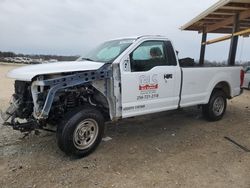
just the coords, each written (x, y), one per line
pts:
(107, 51)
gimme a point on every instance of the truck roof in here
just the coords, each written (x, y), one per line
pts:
(140, 36)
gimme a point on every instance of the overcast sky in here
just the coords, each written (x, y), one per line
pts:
(72, 27)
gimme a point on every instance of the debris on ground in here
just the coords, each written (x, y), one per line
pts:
(106, 139)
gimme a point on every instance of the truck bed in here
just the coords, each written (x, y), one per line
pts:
(198, 82)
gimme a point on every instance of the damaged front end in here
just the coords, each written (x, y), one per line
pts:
(48, 97)
(19, 113)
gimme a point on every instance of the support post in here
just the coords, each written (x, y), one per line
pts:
(234, 42)
(203, 48)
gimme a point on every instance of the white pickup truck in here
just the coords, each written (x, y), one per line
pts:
(119, 79)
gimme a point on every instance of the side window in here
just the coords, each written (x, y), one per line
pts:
(148, 55)
(170, 53)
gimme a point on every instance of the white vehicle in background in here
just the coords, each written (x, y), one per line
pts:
(9, 59)
(119, 79)
(52, 60)
(246, 83)
(27, 60)
(19, 60)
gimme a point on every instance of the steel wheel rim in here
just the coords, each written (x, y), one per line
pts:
(85, 134)
(218, 106)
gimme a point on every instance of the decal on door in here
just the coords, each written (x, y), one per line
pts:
(147, 82)
(133, 107)
(148, 86)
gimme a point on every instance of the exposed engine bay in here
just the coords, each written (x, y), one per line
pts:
(47, 98)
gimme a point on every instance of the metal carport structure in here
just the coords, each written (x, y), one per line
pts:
(230, 17)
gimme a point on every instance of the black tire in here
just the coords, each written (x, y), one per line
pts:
(248, 86)
(85, 124)
(214, 111)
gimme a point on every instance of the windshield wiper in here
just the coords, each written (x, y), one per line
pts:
(87, 59)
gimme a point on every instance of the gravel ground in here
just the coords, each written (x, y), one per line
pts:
(169, 149)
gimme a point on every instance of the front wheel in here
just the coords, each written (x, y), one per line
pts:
(81, 131)
(216, 107)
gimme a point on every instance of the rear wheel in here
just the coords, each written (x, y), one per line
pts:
(216, 107)
(249, 86)
(81, 131)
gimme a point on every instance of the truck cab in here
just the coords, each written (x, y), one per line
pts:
(150, 77)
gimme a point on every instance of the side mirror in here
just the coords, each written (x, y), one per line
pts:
(126, 64)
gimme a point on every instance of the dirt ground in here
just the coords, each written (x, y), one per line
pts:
(169, 149)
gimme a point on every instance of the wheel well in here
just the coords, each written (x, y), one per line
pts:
(104, 108)
(224, 86)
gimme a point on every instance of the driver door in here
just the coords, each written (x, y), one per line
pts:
(152, 81)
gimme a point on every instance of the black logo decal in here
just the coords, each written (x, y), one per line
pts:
(168, 76)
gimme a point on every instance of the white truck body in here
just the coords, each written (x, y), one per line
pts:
(187, 87)
(197, 86)
(121, 78)
(27, 73)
